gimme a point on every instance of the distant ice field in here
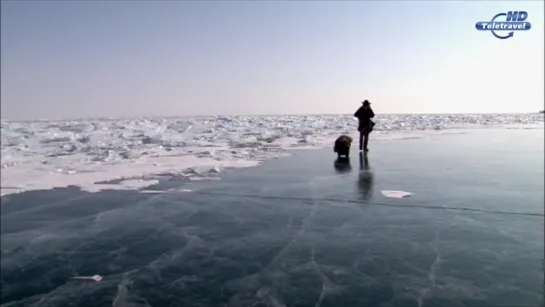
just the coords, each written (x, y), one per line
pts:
(135, 153)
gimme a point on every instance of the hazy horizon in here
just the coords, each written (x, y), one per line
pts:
(237, 115)
(68, 60)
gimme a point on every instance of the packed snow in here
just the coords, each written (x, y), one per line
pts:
(395, 194)
(135, 153)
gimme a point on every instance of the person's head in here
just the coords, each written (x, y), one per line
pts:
(366, 104)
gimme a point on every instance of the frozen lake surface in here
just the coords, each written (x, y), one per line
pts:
(303, 230)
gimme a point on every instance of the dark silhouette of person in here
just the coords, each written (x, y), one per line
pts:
(365, 178)
(342, 165)
(365, 125)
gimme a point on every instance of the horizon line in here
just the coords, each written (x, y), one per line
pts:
(241, 115)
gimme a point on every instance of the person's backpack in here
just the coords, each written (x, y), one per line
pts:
(371, 125)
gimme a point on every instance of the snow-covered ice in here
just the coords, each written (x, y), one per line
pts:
(135, 153)
(395, 194)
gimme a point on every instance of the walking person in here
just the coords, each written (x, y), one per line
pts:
(365, 125)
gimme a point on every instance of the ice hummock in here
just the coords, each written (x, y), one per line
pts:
(139, 152)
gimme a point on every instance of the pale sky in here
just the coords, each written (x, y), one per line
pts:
(66, 59)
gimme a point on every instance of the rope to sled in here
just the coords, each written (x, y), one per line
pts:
(371, 203)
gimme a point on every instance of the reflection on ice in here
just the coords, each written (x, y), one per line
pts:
(342, 165)
(365, 178)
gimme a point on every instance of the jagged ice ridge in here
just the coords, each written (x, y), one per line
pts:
(134, 153)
